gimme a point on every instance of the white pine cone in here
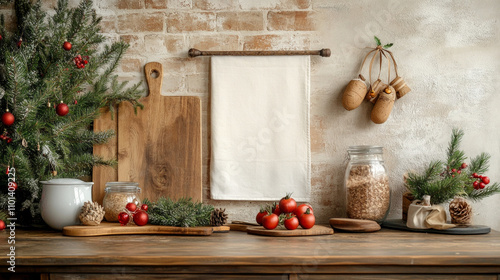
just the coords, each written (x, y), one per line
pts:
(92, 213)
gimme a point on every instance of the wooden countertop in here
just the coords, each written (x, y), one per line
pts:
(397, 251)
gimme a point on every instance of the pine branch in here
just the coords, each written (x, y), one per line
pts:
(455, 157)
(480, 164)
(182, 213)
(477, 195)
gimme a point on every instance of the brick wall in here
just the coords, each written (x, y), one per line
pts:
(447, 53)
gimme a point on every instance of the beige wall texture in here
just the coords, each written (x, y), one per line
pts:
(447, 51)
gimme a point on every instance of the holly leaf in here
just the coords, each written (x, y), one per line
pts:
(388, 45)
(377, 40)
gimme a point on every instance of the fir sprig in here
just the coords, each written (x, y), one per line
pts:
(442, 181)
(181, 213)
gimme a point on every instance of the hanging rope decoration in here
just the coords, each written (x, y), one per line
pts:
(381, 94)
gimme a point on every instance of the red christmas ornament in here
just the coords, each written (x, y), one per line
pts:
(67, 45)
(123, 218)
(2, 225)
(132, 207)
(62, 109)
(8, 118)
(20, 42)
(13, 184)
(141, 218)
(144, 207)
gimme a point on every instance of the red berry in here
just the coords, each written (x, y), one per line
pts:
(85, 61)
(474, 175)
(463, 166)
(2, 223)
(144, 207)
(9, 140)
(459, 171)
(475, 184)
(131, 207)
(123, 218)
(485, 180)
(19, 43)
(67, 45)
(482, 185)
(453, 170)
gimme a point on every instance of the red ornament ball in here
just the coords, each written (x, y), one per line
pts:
(13, 185)
(67, 45)
(123, 218)
(2, 225)
(144, 207)
(141, 218)
(62, 109)
(8, 118)
(131, 207)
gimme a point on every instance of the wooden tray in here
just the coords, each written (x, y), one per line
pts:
(462, 230)
(354, 225)
(106, 228)
(315, 230)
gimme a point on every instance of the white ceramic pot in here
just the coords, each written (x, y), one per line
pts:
(62, 201)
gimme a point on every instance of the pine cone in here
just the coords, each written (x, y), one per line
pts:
(460, 211)
(92, 213)
(218, 217)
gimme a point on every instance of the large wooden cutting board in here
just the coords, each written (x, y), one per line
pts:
(160, 146)
(106, 228)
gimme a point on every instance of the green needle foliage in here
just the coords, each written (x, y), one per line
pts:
(441, 182)
(39, 74)
(181, 213)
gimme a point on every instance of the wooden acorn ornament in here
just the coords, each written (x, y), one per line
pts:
(383, 106)
(354, 94)
(398, 83)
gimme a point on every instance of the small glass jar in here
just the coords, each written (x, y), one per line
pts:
(367, 184)
(118, 194)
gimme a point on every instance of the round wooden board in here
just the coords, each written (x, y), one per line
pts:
(354, 225)
(315, 230)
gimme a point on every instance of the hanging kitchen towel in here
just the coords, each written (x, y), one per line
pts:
(260, 127)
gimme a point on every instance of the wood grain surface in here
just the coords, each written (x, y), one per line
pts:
(354, 225)
(103, 174)
(160, 147)
(116, 229)
(383, 252)
(315, 230)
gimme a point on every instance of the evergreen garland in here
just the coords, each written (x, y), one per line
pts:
(40, 74)
(441, 182)
(181, 213)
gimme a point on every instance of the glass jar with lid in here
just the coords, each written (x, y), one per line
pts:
(118, 194)
(367, 184)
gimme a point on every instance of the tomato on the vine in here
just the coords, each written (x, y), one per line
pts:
(307, 219)
(291, 223)
(260, 215)
(287, 204)
(301, 209)
(270, 221)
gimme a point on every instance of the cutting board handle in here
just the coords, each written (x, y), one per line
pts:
(154, 77)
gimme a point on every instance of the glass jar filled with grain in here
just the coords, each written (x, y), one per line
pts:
(118, 194)
(367, 184)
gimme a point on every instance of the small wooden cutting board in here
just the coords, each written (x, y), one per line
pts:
(315, 230)
(354, 225)
(106, 228)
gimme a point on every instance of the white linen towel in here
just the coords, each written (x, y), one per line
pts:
(260, 127)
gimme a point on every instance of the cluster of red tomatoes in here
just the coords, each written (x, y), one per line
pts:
(286, 213)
